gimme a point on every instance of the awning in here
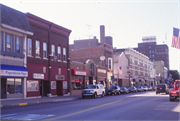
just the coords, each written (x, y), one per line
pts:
(13, 71)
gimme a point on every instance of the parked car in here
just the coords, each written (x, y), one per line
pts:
(153, 87)
(162, 88)
(124, 90)
(140, 89)
(93, 91)
(149, 88)
(145, 88)
(113, 90)
(174, 92)
(132, 89)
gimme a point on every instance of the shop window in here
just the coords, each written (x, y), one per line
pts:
(53, 84)
(32, 86)
(44, 50)
(37, 48)
(14, 85)
(77, 82)
(59, 53)
(29, 47)
(64, 54)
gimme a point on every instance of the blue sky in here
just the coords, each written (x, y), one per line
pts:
(127, 21)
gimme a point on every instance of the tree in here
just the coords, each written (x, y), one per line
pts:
(175, 74)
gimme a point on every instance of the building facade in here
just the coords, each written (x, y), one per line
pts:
(132, 68)
(14, 31)
(47, 58)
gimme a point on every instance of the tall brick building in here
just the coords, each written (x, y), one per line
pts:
(47, 58)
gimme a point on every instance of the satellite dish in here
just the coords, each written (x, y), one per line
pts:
(102, 58)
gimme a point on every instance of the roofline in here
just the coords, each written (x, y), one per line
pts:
(16, 29)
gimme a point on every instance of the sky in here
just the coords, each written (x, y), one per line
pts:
(127, 21)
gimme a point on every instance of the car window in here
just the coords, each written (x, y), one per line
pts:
(91, 87)
(160, 86)
(112, 87)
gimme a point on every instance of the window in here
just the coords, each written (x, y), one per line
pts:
(153, 56)
(32, 86)
(14, 85)
(44, 50)
(17, 44)
(59, 53)
(152, 51)
(53, 50)
(8, 43)
(37, 48)
(64, 54)
(149, 46)
(149, 56)
(149, 51)
(53, 84)
(29, 47)
(109, 63)
(59, 70)
(44, 69)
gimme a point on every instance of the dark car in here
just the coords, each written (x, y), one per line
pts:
(149, 88)
(132, 89)
(140, 89)
(153, 87)
(124, 90)
(113, 90)
(162, 88)
(145, 88)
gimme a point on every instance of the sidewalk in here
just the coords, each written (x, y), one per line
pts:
(29, 101)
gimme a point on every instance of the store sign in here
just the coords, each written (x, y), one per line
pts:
(80, 73)
(38, 76)
(60, 77)
(101, 71)
(149, 38)
(13, 73)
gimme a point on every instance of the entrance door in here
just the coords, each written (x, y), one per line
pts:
(45, 88)
(60, 88)
(90, 80)
(120, 82)
(3, 88)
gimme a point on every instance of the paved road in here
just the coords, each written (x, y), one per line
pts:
(134, 106)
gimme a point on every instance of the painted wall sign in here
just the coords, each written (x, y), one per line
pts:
(13, 73)
(101, 71)
(38, 76)
(60, 77)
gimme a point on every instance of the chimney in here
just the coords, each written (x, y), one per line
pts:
(102, 34)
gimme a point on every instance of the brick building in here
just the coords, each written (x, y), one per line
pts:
(105, 51)
(47, 58)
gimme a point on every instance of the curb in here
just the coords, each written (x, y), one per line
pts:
(38, 102)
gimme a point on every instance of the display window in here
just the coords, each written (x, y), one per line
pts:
(77, 82)
(32, 85)
(14, 85)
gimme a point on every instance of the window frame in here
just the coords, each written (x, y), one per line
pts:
(44, 50)
(29, 49)
(64, 55)
(6, 38)
(110, 63)
(59, 54)
(38, 56)
(19, 45)
(53, 54)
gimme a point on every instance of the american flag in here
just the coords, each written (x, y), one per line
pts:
(120, 70)
(176, 38)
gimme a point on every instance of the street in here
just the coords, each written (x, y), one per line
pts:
(133, 106)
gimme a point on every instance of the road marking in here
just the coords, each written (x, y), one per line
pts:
(71, 114)
(21, 104)
(24, 117)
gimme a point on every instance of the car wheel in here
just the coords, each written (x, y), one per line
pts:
(102, 94)
(171, 99)
(114, 93)
(119, 93)
(95, 95)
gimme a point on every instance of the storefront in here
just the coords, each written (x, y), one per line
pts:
(13, 79)
(78, 78)
(102, 76)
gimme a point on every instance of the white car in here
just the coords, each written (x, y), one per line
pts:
(93, 91)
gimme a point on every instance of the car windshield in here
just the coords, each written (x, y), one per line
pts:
(138, 87)
(131, 88)
(91, 87)
(112, 87)
(122, 87)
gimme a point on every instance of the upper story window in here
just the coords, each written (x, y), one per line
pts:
(109, 63)
(153, 56)
(149, 46)
(37, 48)
(152, 51)
(59, 53)
(44, 50)
(9, 43)
(53, 50)
(17, 44)
(64, 54)
(149, 51)
(29, 47)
